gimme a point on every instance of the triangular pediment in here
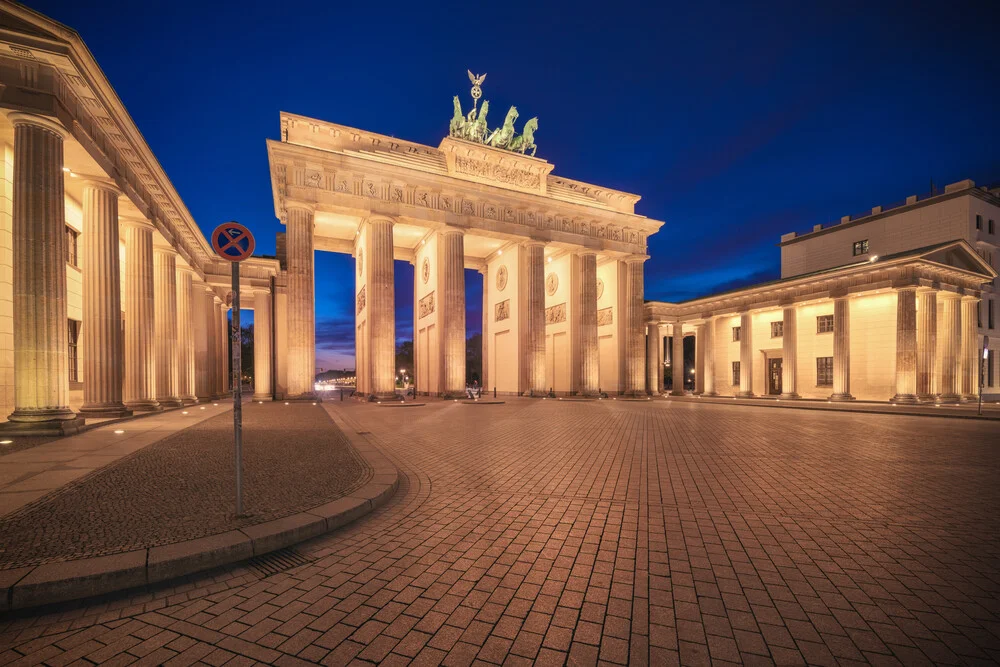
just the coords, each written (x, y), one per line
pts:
(960, 255)
(27, 22)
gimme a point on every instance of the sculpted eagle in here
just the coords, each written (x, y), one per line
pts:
(476, 80)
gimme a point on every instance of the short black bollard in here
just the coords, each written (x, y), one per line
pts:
(341, 394)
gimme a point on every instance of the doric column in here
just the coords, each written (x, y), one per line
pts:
(950, 340)
(906, 345)
(185, 336)
(841, 350)
(926, 344)
(969, 349)
(140, 329)
(223, 359)
(381, 304)
(746, 355)
(165, 318)
(451, 289)
(262, 346)
(300, 251)
(789, 352)
(654, 367)
(635, 344)
(709, 384)
(590, 363)
(677, 360)
(532, 321)
(699, 358)
(485, 379)
(41, 364)
(103, 356)
(204, 341)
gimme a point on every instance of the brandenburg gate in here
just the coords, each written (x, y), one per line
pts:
(562, 260)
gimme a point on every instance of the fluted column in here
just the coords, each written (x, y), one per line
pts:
(300, 251)
(41, 364)
(262, 346)
(789, 352)
(635, 344)
(590, 363)
(204, 341)
(970, 349)
(926, 344)
(451, 289)
(677, 360)
(950, 340)
(841, 350)
(532, 322)
(217, 336)
(185, 336)
(140, 328)
(746, 355)
(709, 384)
(654, 366)
(906, 345)
(165, 318)
(103, 356)
(224, 357)
(699, 359)
(382, 308)
(485, 379)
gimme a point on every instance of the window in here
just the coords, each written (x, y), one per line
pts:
(824, 371)
(736, 373)
(736, 334)
(861, 247)
(989, 369)
(990, 228)
(824, 324)
(979, 314)
(989, 314)
(979, 222)
(74, 359)
(777, 329)
(72, 246)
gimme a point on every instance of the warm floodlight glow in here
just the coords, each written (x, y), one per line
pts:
(119, 432)
(6, 442)
(873, 259)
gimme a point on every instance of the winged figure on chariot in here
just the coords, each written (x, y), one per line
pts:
(472, 126)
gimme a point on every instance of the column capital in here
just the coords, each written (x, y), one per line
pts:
(968, 297)
(372, 219)
(631, 259)
(532, 243)
(585, 252)
(164, 249)
(308, 207)
(42, 122)
(101, 183)
(138, 223)
(451, 230)
(184, 268)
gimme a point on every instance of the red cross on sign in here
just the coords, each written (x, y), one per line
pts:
(232, 241)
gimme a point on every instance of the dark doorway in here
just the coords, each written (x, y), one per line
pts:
(774, 376)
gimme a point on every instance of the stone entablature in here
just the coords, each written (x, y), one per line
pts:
(491, 166)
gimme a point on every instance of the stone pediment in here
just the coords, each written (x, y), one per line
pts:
(478, 163)
(961, 257)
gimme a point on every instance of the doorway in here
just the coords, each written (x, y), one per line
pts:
(774, 376)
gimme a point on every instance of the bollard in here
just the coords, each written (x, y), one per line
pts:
(341, 394)
(494, 391)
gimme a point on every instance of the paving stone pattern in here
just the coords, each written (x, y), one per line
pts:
(182, 487)
(577, 533)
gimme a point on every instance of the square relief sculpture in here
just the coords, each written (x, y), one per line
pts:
(502, 311)
(555, 314)
(604, 317)
(427, 305)
(361, 300)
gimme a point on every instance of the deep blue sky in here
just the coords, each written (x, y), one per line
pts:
(736, 123)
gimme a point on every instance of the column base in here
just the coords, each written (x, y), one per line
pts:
(105, 411)
(304, 398)
(949, 398)
(190, 400)
(905, 399)
(144, 406)
(927, 398)
(52, 428)
(262, 399)
(790, 394)
(709, 394)
(170, 402)
(677, 392)
(970, 398)
(840, 397)
(745, 394)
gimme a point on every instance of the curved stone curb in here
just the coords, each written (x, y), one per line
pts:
(49, 583)
(814, 404)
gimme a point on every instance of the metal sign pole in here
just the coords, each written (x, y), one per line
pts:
(982, 371)
(237, 339)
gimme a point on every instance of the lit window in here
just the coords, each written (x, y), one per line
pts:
(777, 329)
(72, 247)
(736, 334)
(74, 358)
(736, 373)
(824, 371)
(861, 247)
(824, 324)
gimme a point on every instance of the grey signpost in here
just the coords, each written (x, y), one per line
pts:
(982, 370)
(234, 242)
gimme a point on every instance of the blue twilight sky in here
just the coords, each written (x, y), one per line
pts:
(735, 122)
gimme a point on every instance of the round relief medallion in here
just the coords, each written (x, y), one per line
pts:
(361, 261)
(551, 283)
(425, 270)
(600, 288)
(501, 278)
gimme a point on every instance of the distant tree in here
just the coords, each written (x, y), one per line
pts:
(246, 352)
(404, 359)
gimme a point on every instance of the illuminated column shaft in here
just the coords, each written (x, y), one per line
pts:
(300, 247)
(906, 346)
(789, 352)
(225, 380)
(140, 328)
(262, 346)
(165, 318)
(677, 360)
(951, 336)
(969, 348)
(709, 337)
(699, 359)
(532, 323)
(204, 330)
(654, 365)
(635, 344)
(382, 308)
(185, 336)
(41, 364)
(926, 344)
(451, 287)
(103, 359)
(746, 355)
(590, 365)
(841, 350)
(486, 330)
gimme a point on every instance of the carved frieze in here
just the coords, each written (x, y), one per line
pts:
(426, 306)
(501, 311)
(555, 314)
(360, 301)
(605, 316)
(551, 283)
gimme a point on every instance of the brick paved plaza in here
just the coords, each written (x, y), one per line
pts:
(627, 532)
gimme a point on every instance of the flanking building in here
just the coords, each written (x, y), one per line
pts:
(893, 305)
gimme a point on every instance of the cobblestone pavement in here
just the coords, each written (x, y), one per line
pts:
(578, 532)
(182, 487)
